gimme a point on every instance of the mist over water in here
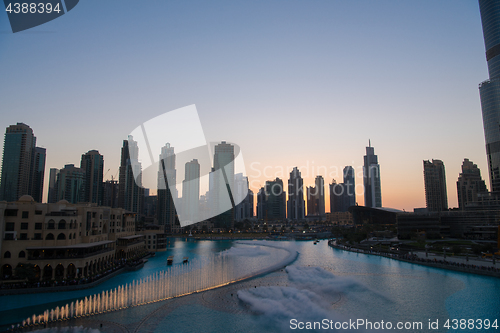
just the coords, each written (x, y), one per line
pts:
(310, 297)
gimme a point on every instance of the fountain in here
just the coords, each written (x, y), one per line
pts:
(195, 276)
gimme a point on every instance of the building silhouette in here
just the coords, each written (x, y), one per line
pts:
(316, 198)
(71, 184)
(223, 183)
(191, 191)
(436, 197)
(23, 165)
(130, 191)
(243, 210)
(93, 164)
(167, 178)
(110, 193)
(296, 207)
(52, 195)
(38, 173)
(489, 90)
(275, 200)
(470, 185)
(342, 195)
(371, 178)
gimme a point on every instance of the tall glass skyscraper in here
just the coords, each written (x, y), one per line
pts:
(489, 90)
(23, 164)
(371, 178)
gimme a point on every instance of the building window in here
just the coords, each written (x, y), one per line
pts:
(9, 236)
(23, 236)
(9, 226)
(62, 224)
(38, 226)
(38, 212)
(51, 225)
(6, 255)
(24, 226)
(22, 254)
(10, 212)
(61, 236)
(49, 237)
(38, 236)
(26, 214)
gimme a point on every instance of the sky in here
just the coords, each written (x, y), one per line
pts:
(292, 83)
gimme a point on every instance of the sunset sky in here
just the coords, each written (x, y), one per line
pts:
(293, 83)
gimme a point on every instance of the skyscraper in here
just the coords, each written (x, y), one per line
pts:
(296, 206)
(489, 90)
(316, 198)
(261, 204)
(342, 195)
(275, 200)
(167, 178)
(223, 183)
(470, 184)
(130, 193)
(93, 164)
(244, 196)
(37, 173)
(71, 184)
(53, 185)
(23, 164)
(436, 198)
(371, 178)
(191, 191)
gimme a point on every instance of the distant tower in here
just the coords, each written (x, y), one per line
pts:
(23, 164)
(275, 207)
(242, 194)
(93, 164)
(53, 185)
(70, 184)
(131, 193)
(371, 178)
(316, 198)
(296, 205)
(191, 191)
(223, 183)
(261, 204)
(38, 173)
(166, 189)
(470, 184)
(436, 197)
(489, 90)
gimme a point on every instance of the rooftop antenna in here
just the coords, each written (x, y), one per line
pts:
(369, 143)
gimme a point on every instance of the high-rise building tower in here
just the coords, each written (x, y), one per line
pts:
(23, 164)
(223, 182)
(130, 193)
(38, 173)
(93, 164)
(316, 198)
(371, 178)
(489, 90)
(275, 204)
(167, 191)
(191, 191)
(53, 185)
(261, 204)
(296, 206)
(244, 196)
(71, 184)
(470, 185)
(342, 195)
(436, 197)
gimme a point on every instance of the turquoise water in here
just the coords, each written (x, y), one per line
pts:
(322, 283)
